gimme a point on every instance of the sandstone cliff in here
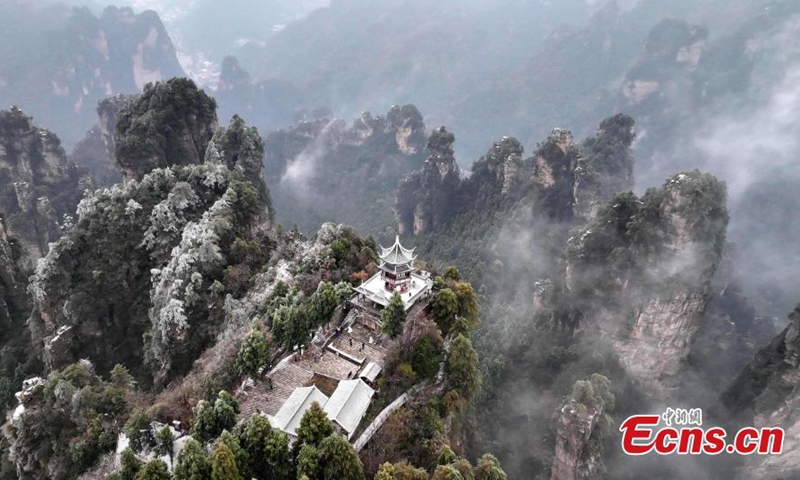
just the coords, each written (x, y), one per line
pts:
(425, 198)
(765, 394)
(583, 425)
(39, 184)
(72, 59)
(648, 263)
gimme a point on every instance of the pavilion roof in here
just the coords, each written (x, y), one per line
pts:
(397, 254)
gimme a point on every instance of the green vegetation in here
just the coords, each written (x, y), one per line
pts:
(393, 317)
(253, 354)
(170, 123)
(223, 464)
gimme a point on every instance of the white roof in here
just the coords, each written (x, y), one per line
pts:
(349, 403)
(397, 254)
(288, 417)
(370, 372)
(375, 290)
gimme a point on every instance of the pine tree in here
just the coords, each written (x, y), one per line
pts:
(467, 303)
(445, 309)
(164, 441)
(314, 427)
(137, 429)
(204, 427)
(192, 463)
(239, 455)
(323, 303)
(393, 316)
(404, 471)
(254, 435)
(278, 457)
(446, 455)
(489, 469)
(338, 460)
(223, 464)
(385, 472)
(446, 472)
(226, 409)
(462, 367)
(129, 466)
(253, 354)
(463, 467)
(153, 470)
(308, 464)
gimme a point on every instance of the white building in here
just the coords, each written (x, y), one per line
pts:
(345, 408)
(396, 276)
(288, 417)
(348, 404)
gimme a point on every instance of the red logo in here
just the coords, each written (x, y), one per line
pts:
(641, 435)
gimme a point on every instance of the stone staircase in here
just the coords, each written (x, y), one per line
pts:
(284, 380)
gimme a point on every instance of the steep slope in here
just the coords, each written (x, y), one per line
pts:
(168, 229)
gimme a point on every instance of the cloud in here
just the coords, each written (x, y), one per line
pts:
(301, 169)
(743, 148)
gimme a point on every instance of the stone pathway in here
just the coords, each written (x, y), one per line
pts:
(285, 379)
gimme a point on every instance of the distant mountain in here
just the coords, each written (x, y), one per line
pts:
(57, 62)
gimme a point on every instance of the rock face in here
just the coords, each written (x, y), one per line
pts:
(582, 425)
(650, 262)
(672, 48)
(73, 59)
(764, 394)
(13, 301)
(171, 123)
(39, 184)
(325, 169)
(424, 199)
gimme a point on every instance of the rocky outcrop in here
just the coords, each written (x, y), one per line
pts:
(642, 272)
(39, 184)
(582, 426)
(425, 198)
(232, 76)
(605, 166)
(408, 127)
(168, 231)
(107, 112)
(171, 123)
(500, 170)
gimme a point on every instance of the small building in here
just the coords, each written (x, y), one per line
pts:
(370, 372)
(396, 275)
(348, 404)
(288, 417)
